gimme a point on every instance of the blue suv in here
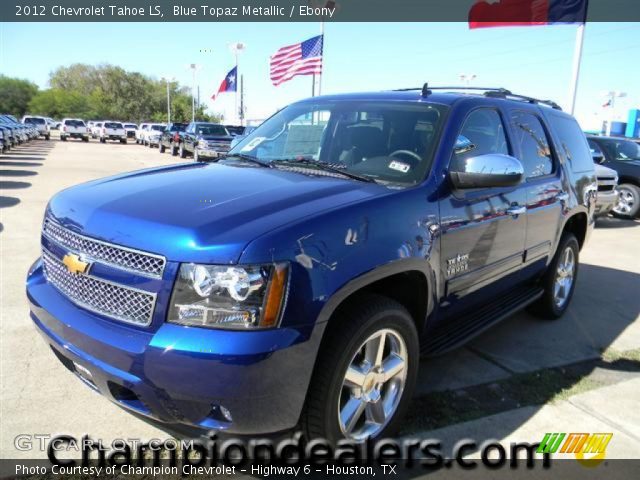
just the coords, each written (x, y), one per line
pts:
(295, 282)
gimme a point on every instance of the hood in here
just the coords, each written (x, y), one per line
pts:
(602, 171)
(199, 212)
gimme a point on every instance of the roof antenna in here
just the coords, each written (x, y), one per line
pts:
(425, 90)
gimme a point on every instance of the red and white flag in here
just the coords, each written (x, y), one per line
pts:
(303, 58)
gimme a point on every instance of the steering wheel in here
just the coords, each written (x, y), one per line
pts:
(407, 152)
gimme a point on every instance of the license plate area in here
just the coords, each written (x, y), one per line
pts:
(85, 375)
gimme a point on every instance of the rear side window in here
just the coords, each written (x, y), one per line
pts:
(481, 134)
(533, 145)
(573, 143)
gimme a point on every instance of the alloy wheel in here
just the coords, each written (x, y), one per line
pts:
(565, 274)
(626, 202)
(373, 384)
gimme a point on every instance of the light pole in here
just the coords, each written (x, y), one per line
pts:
(168, 80)
(194, 68)
(237, 48)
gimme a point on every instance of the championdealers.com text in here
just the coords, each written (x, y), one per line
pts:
(291, 456)
(205, 12)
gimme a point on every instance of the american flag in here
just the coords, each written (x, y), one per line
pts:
(300, 59)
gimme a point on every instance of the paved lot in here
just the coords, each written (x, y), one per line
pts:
(39, 396)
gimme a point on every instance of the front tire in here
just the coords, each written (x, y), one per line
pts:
(628, 204)
(365, 374)
(559, 281)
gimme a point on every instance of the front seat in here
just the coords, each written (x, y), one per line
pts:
(364, 142)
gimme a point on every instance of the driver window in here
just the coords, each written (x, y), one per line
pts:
(482, 133)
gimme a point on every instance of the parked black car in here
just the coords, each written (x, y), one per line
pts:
(204, 141)
(623, 156)
(170, 138)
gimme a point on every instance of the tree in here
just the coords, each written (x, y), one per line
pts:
(15, 95)
(59, 103)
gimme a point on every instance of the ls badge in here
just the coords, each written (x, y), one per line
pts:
(74, 264)
(457, 264)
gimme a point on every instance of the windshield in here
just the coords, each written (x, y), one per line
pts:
(385, 141)
(621, 150)
(159, 128)
(34, 120)
(178, 127)
(74, 123)
(210, 129)
(130, 125)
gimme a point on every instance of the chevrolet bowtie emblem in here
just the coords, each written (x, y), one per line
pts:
(74, 264)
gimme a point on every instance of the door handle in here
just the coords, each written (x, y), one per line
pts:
(517, 210)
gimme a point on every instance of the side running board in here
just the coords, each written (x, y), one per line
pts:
(456, 332)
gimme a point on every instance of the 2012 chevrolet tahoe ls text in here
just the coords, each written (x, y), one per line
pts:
(296, 281)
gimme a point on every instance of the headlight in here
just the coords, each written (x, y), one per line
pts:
(232, 297)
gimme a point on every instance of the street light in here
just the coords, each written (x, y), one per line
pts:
(194, 68)
(168, 80)
(467, 78)
(611, 96)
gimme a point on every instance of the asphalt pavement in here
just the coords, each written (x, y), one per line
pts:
(38, 395)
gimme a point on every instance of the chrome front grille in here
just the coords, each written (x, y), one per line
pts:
(120, 257)
(100, 296)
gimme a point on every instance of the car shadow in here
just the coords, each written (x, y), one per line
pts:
(19, 164)
(17, 173)
(10, 184)
(613, 222)
(8, 201)
(22, 157)
(532, 351)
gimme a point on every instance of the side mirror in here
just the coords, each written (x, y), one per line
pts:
(597, 157)
(487, 171)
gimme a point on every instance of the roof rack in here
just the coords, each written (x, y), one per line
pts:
(491, 92)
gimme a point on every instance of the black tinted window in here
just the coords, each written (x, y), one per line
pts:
(112, 125)
(211, 129)
(38, 121)
(534, 151)
(482, 133)
(573, 143)
(74, 123)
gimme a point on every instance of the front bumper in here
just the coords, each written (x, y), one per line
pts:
(606, 201)
(210, 152)
(179, 375)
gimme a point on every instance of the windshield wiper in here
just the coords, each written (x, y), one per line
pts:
(248, 158)
(327, 167)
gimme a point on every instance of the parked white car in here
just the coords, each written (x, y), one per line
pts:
(95, 129)
(39, 123)
(73, 128)
(153, 134)
(130, 128)
(140, 132)
(112, 131)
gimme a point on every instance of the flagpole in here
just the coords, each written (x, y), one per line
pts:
(320, 75)
(577, 60)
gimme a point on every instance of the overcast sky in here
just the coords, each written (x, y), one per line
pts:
(535, 61)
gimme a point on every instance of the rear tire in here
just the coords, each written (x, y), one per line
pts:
(628, 204)
(64, 139)
(350, 395)
(559, 281)
(47, 137)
